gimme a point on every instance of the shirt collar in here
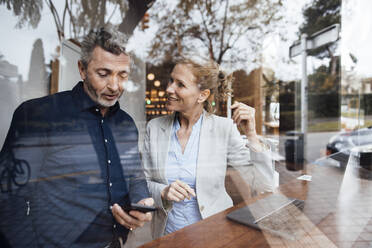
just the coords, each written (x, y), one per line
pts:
(84, 102)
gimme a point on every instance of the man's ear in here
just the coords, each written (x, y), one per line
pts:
(204, 94)
(82, 70)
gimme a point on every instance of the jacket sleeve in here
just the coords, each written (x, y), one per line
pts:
(138, 188)
(18, 121)
(256, 168)
(154, 184)
(16, 201)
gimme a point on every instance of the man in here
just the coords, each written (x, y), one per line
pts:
(82, 151)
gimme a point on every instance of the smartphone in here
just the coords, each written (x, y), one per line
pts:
(139, 207)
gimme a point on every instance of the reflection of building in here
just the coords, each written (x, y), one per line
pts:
(14, 90)
(8, 70)
(367, 85)
(10, 82)
(37, 83)
(356, 103)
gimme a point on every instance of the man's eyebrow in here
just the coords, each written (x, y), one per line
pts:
(126, 70)
(109, 71)
(103, 69)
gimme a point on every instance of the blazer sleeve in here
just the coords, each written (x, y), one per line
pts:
(138, 188)
(155, 187)
(256, 168)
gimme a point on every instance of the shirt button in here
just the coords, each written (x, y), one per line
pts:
(109, 161)
(102, 121)
(97, 109)
(105, 140)
(114, 225)
(201, 208)
(110, 184)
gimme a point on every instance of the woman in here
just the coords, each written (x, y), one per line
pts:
(186, 154)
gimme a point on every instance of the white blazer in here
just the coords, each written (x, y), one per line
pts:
(220, 145)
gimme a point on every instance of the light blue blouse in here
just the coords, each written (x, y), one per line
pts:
(183, 167)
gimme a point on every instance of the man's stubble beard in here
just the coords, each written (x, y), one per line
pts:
(95, 97)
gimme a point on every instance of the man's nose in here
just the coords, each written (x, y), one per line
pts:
(114, 84)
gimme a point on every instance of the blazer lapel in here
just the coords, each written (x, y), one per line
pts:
(204, 145)
(163, 144)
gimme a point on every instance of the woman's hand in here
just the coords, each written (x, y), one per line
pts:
(177, 191)
(244, 116)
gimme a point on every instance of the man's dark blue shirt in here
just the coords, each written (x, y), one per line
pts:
(81, 163)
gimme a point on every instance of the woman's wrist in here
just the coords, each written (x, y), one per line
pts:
(252, 137)
(255, 142)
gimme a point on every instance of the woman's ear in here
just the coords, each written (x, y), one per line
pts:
(204, 94)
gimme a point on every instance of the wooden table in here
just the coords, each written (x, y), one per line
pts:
(338, 214)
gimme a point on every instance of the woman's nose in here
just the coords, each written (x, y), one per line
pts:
(170, 88)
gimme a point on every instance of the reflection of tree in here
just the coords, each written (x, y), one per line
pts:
(77, 17)
(321, 81)
(28, 12)
(324, 83)
(321, 14)
(215, 27)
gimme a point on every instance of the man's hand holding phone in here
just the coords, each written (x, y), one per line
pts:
(135, 215)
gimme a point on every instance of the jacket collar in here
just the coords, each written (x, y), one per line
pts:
(167, 123)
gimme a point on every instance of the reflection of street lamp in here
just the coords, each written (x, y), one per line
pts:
(157, 83)
(161, 93)
(150, 76)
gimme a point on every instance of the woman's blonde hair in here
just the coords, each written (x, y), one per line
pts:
(209, 76)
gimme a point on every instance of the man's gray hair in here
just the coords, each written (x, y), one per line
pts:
(108, 38)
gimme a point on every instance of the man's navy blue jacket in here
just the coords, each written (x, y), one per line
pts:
(81, 164)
